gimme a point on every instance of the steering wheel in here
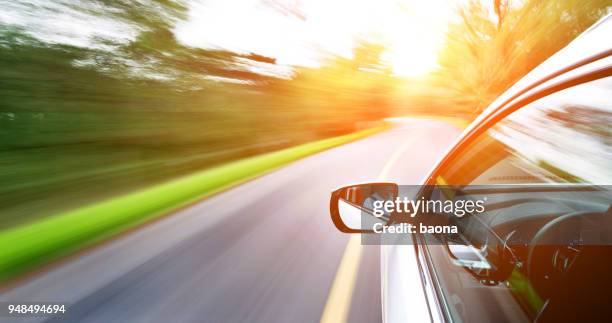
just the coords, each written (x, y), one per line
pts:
(561, 236)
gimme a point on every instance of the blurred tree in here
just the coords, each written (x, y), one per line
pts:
(341, 93)
(82, 122)
(482, 58)
(501, 9)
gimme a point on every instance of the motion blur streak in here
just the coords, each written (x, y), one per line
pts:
(102, 98)
(262, 252)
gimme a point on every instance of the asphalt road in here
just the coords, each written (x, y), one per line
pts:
(265, 251)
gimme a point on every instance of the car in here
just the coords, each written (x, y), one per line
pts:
(540, 159)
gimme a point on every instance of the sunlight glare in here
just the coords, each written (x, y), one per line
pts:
(304, 33)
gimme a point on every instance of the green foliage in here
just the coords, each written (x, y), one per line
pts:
(31, 245)
(484, 55)
(80, 124)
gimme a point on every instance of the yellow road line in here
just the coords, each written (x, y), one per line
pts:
(340, 296)
(341, 293)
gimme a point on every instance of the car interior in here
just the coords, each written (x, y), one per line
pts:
(544, 243)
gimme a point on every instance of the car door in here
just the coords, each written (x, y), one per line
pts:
(545, 238)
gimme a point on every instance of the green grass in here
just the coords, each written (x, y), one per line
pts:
(25, 247)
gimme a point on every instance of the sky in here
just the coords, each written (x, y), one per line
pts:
(69, 22)
(295, 32)
(306, 32)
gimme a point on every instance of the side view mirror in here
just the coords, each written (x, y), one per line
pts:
(352, 207)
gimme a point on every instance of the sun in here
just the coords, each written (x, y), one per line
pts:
(411, 30)
(412, 37)
(408, 61)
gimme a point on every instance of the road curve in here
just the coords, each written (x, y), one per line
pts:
(265, 251)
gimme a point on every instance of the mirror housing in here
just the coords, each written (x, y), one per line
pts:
(351, 206)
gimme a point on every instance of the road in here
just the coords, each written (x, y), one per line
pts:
(265, 251)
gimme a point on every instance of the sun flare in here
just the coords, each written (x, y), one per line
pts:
(303, 33)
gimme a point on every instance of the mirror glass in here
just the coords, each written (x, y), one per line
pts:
(352, 207)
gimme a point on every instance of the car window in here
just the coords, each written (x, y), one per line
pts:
(564, 137)
(544, 170)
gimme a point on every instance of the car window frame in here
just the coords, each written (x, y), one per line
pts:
(547, 86)
(586, 73)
